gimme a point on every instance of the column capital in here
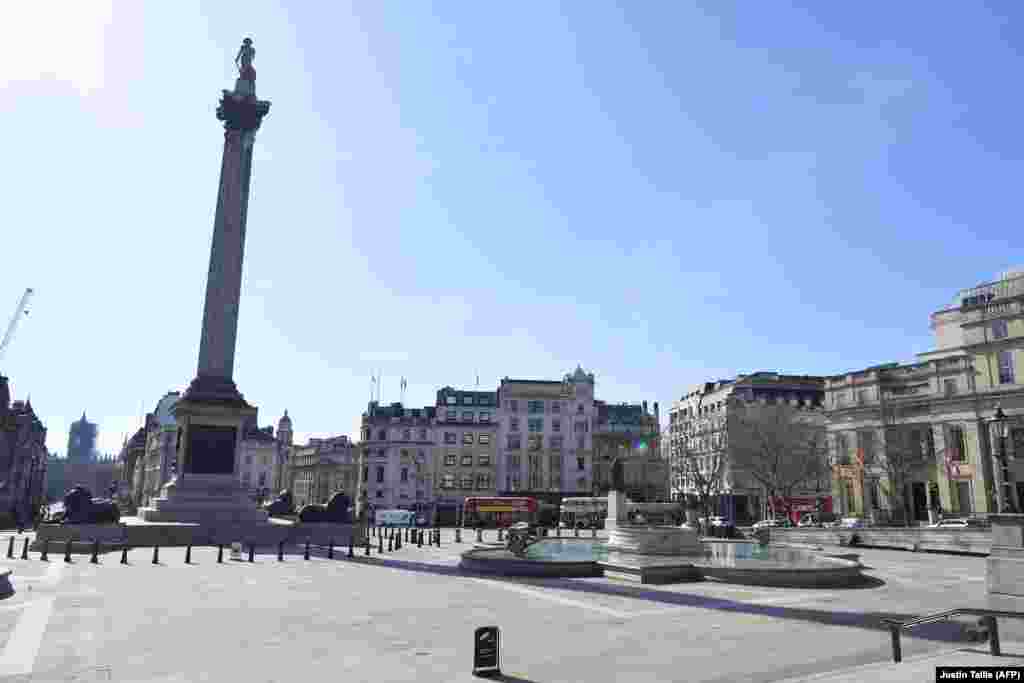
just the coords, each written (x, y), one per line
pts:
(240, 112)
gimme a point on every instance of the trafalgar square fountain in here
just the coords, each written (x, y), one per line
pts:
(659, 553)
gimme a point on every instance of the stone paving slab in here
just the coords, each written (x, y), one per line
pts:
(410, 614)
(922, 667)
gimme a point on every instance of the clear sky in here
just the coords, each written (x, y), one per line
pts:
(663, 192)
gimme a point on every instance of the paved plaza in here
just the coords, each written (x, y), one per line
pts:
(409, 615)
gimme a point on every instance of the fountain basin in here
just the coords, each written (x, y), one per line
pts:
(740, 562)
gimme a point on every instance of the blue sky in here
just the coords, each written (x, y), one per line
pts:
(664, 192)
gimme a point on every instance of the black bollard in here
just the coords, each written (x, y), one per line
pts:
(156, 554)
(391, 544)
(398, 541)
(419, 538)
(280, 551)
(45, 557)
(351, 546)
(95, 559)
(367, 553)
(10, 548)
(188, 554)
(124, 555)
(305, 555)
(438, 538)
(380, 544)
(67, 550)
(220, 553)
(330, 549)
(252, 553)
(24, 550)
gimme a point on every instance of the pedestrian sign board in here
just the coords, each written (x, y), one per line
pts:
(485, 651)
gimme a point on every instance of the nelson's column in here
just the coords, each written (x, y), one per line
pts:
(210, 415)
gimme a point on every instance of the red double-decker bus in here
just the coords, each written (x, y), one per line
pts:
(500, 511)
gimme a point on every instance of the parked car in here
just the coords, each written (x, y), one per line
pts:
(852, 523)
(818, 519)
(958, 523)
(780, 522)
(714, 521)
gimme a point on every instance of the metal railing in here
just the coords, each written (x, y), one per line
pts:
(988, 621)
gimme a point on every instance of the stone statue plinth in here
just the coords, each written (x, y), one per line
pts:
(641, 539)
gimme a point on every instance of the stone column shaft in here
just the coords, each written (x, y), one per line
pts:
(224, 279)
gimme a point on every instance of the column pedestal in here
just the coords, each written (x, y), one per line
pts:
(207, 490)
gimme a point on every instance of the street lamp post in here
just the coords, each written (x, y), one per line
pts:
(1004, 492)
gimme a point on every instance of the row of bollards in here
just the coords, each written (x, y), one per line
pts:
(395, 540)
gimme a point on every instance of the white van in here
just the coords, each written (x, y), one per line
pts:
(395, 518)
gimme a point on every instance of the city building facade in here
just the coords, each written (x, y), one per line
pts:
(258, 457)
(630, 432)
(465, 453)
(396, 452)
(160, 460)
(545, 437)
(704, 421)
(285, 436)
(23, 457)
(323, 467)
(958, 413)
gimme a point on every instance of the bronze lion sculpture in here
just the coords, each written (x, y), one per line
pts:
(336, 510)
(81, 508)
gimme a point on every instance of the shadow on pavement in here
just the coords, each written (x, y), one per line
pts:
(948, 632)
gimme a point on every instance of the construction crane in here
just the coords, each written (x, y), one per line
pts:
(19, 312)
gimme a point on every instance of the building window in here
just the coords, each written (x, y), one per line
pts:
(1006, 367)
(513, 424)
(449, 460)
(513, 406)
(556, 442)
(366, 472)
(467, 461)
(514, 442)
(999, 329)
(580, 464)
(483, 438)
(380, 475)
(450, 400)
(380, 494)
(556, 463)
(450, 415)
(536, 424)
(484, 459)
(451, 437)
(467, 481)
(862, 396)
(448, 481)
(581, 484)
(957, 444)
(535, 407)
(467, 415)
(382, 435)
(515, 461)
(468, 400)
(483, 481)
(248, 460)
(467, 438)
(534, 443)
(949, 386)
(556, 407)
(485, 416)
(405, 474)
(406, 434)
(423, 435)
(581, 441)
(419, 495)
(556, 425)
(579, 408)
